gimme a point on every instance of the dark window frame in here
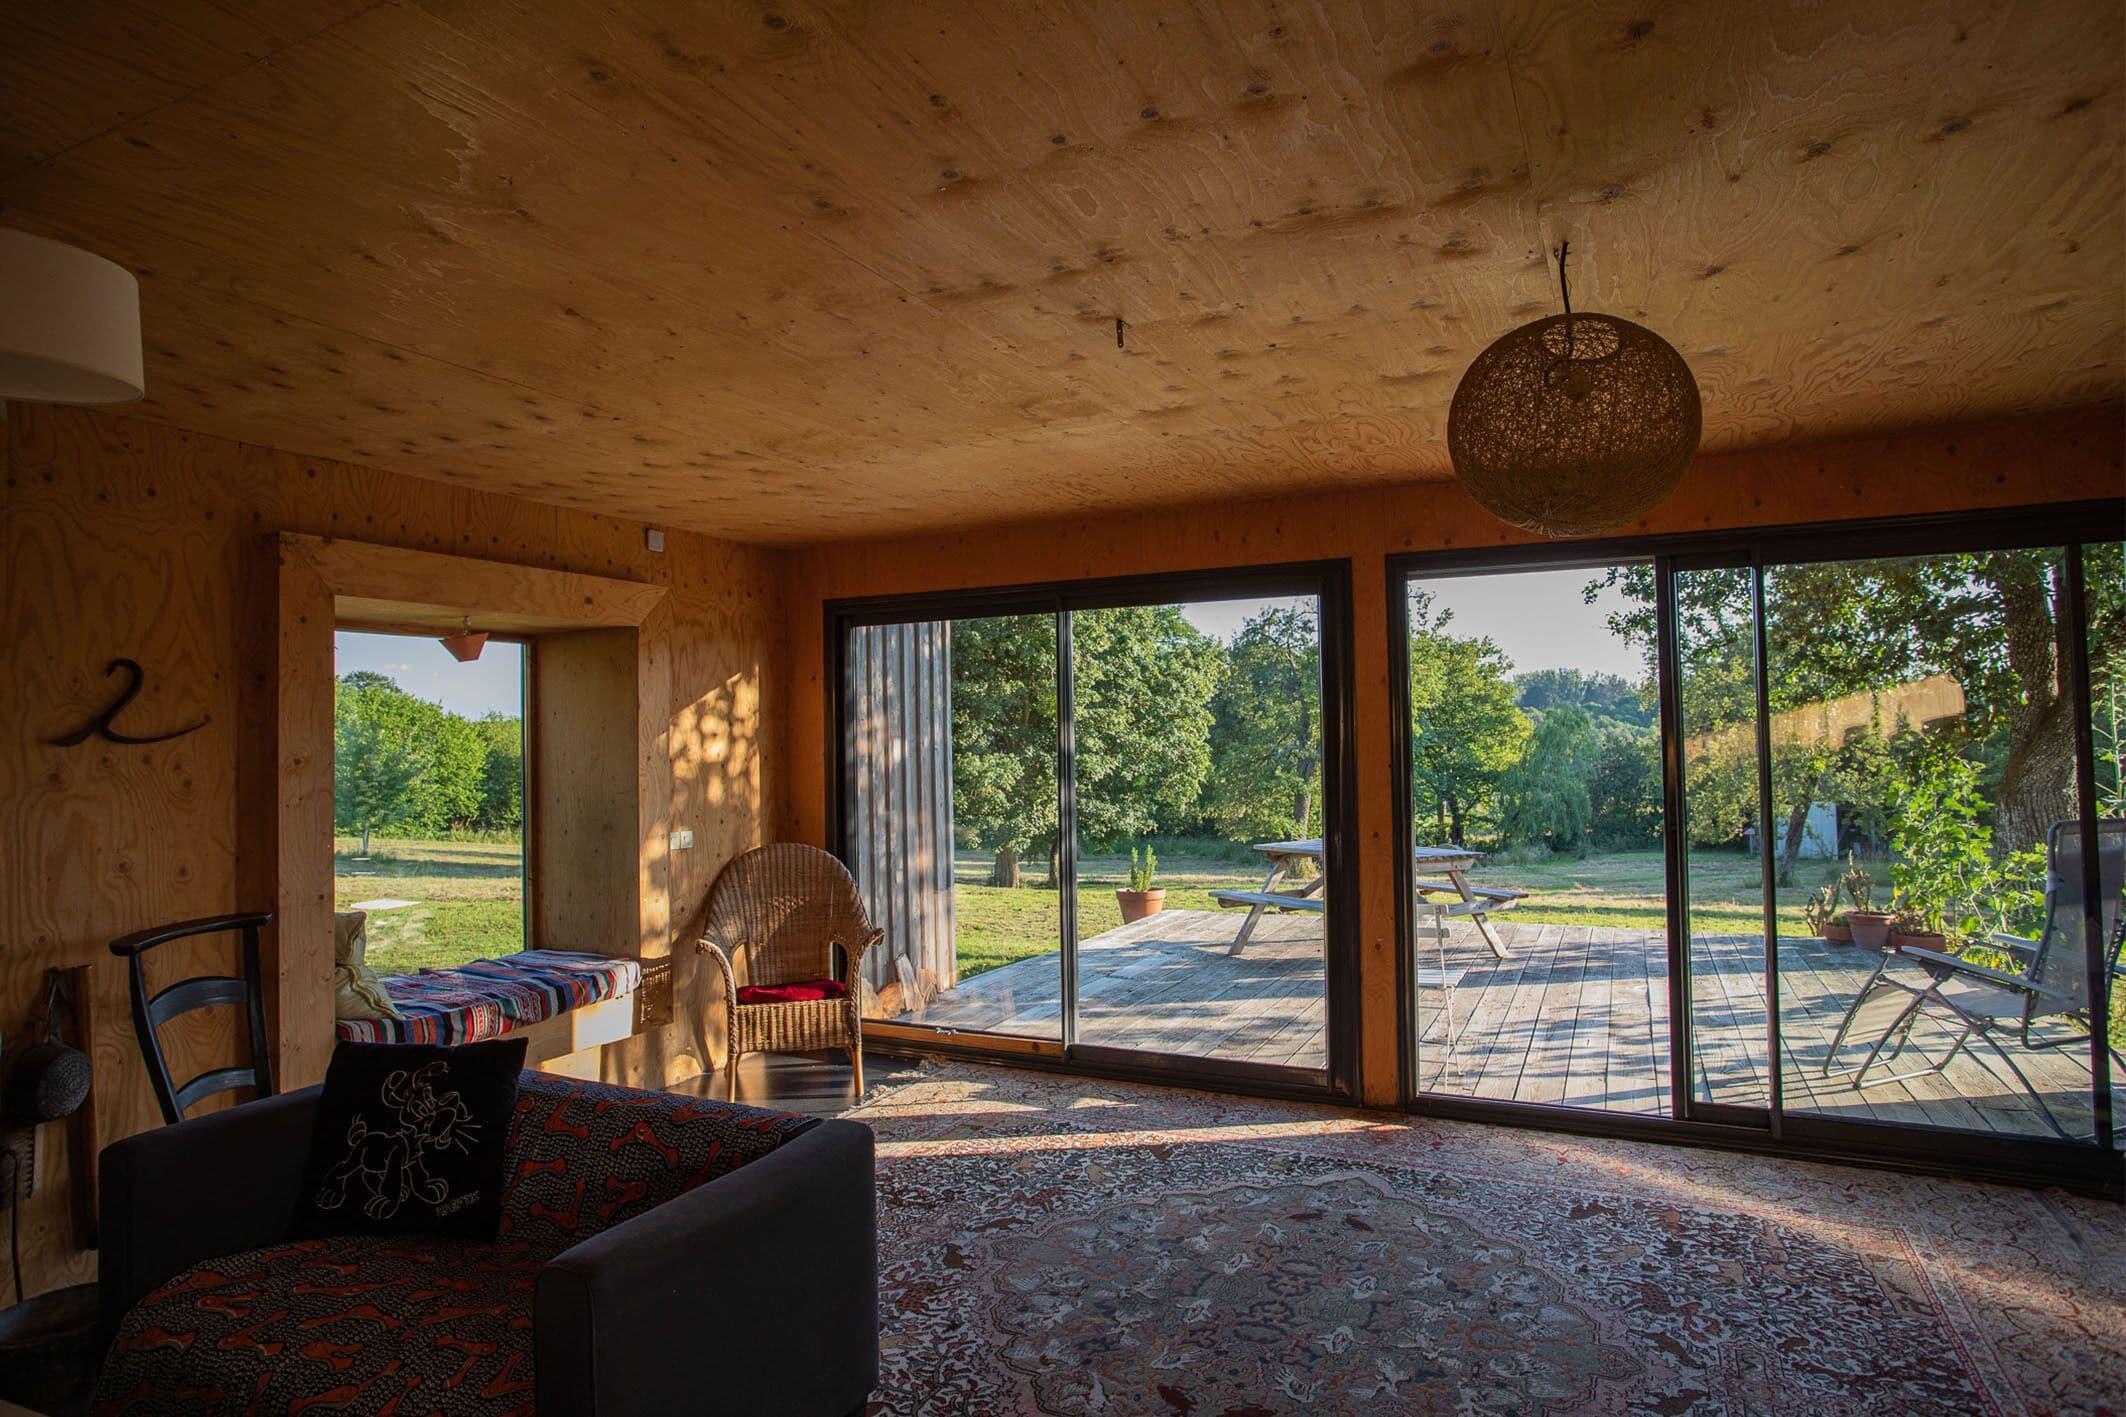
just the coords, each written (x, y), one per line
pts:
(1329, 581)
(2090, 1167)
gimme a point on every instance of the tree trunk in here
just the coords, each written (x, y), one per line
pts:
(1454, 819)
(2037, 784)
(1797, 822)
(1302, 807)
(2037, 781)
(365, 838)
(1004, 871)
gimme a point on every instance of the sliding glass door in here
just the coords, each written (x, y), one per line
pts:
(1815, 835)
(1901, 749)
(1538, 963)
(1107, 824)
(951, 807)
(1201, 865)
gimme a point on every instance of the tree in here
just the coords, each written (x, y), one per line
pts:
(1543, 798)
(1465, 731)
(1004, 736)
(1609, 696)
(502, 780)
(1625, 790)
(376, 763)
(1266, 735)
(1143, 679)
(1988, 622)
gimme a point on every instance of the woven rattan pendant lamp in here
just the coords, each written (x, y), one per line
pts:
(1575, 423)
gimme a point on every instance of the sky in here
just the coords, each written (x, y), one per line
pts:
(1536, 617)
(1539, 619)
(493, 683)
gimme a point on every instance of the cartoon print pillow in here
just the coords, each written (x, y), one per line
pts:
(409, 1139)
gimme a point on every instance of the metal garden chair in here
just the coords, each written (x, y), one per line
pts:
(1982, 1002)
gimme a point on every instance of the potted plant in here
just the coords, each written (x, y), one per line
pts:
(1870, 927)
(1821, 915)
(1915, 928)
(1141, 898)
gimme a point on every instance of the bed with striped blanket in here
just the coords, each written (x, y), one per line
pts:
(490, 997)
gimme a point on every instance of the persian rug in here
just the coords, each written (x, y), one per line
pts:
(1066, 1245)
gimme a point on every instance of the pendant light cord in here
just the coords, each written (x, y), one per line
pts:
(1565, 292)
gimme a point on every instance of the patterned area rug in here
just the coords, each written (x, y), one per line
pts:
(1062, 1245)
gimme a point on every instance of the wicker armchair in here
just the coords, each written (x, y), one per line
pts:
(776, 915)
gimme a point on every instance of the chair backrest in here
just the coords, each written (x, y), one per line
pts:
(152, 1011)
(780, 910)
(2061, 965)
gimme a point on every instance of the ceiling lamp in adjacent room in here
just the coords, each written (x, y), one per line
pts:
(1575, 423)
(465, 646)
(69, 324)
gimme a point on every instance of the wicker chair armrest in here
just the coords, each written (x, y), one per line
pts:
(856, 955)
(707, 946)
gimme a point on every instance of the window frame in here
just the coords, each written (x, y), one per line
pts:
(2090, 1167)
(1329, 581)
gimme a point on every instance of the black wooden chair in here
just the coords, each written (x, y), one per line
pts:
(152, 1011)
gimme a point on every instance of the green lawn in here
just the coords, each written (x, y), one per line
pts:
(469, 899)
(1625, 889)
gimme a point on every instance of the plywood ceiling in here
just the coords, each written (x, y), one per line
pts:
(792, 271)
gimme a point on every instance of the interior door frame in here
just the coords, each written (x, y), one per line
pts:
(2091, 1167)
(1329, 581)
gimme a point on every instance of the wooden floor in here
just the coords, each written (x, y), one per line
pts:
(1575, 1015)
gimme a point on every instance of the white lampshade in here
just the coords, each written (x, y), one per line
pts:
(69, 324)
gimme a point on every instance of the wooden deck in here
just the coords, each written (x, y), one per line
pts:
(1575, 1015)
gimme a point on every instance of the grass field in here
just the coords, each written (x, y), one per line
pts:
(1624, 889)
(468, 899)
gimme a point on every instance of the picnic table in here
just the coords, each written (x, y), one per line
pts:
(1281, 891)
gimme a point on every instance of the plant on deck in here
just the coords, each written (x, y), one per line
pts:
(1143, 867)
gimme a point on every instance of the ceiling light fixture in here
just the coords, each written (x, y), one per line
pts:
(69, 324)
(1574, 423)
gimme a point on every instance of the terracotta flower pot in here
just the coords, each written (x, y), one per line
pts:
(1919, 940)
(1838, 934)
(1136, 905)
(1870, 928)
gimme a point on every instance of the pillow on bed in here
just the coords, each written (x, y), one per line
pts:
(356, 990)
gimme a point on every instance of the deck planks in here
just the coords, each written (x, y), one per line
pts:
(1575, 1015)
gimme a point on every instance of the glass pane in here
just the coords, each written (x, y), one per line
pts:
(951, 823)
(1716, 662)
(1197, 745)
(1539, 932)
(1931, 970)
(428, 799)
(2104, 582)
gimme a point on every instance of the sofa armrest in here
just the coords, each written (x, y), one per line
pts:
(774, 1267)
(180, 1194)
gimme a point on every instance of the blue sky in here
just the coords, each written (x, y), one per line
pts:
(1539, 619)
(1536, 617)
(493, 683)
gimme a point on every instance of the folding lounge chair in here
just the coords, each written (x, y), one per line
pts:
(1982, 1002)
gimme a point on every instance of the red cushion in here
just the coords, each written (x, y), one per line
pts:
(800, 993)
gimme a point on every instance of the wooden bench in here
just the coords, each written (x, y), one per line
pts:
(1259, 901)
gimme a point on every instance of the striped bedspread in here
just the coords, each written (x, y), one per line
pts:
(490, 997)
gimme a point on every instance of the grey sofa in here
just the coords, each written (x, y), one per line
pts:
(659, 1254)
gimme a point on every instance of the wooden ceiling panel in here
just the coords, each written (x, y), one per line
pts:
(802, 271)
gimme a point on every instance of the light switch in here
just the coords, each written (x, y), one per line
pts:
(682, 839)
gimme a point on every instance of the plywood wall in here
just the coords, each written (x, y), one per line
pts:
(119, 537)
(1998, 464)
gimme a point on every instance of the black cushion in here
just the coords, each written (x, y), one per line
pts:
(410, 1138)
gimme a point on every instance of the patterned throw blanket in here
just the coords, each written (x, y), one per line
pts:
(490, 997)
